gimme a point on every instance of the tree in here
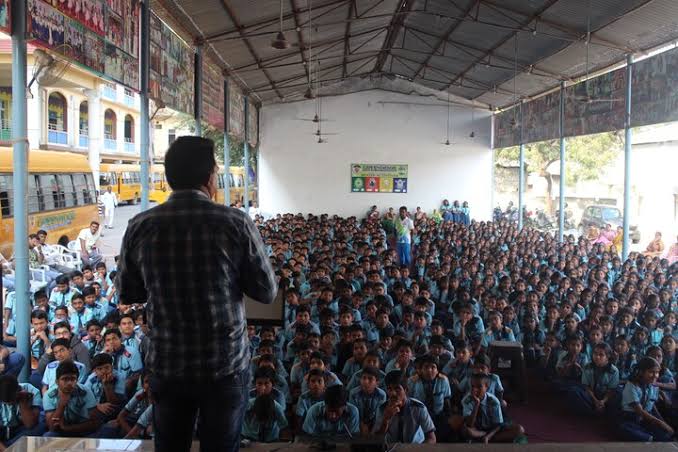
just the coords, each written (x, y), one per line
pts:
(585, 158)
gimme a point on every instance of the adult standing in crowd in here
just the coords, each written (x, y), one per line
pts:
(192, 260)
(404, 227)
(110, 202)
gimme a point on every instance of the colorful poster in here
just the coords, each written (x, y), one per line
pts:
(172, 63)
(253, 125)
(507, 128)
(540, 118)
(655, 90)
(212, 95)
(102, 36)
(236, 111)
(378, 178)
(595, 106)
(5, 16)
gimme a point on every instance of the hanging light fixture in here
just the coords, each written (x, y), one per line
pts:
(280, 42)
(473, 120)
(309, 94)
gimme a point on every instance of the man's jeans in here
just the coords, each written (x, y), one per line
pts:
(221, 404)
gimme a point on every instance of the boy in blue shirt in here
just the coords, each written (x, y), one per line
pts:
(403, 419)
(98, 311)
(61, 348)
(62, 294)
(39, 336)
(80, 316)
(497, 331)
(371, 360)
(315, 394)
(482, 415)
(264, 380)
(107, 386)
(20, 405)
(70, 407)
(367, 398)
(126, 360)
(355, 363)
(432, 388)
(264, 418)
(333, 417)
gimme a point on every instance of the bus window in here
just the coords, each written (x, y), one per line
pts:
(69, 198)
(35, 203)
(106, 179)
(231, 182)
(136, 177)
(241, 181)
(91, 189)
(81, 189)
(220, 181)
(49, 191)
(6, 195)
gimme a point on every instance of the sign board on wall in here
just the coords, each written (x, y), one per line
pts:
(595, 106)
(172, 68)
(102, 36)
(236, 112)
(378, 178)
(212, 95)
(253, 125)
(507, 128)
(655, 89)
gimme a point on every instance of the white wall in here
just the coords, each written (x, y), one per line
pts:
(297, 174)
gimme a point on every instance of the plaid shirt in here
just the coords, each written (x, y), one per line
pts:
(191, 260)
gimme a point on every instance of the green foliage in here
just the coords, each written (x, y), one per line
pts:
(586, 155)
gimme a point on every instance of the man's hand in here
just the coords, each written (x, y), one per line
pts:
(56, 423)
(64, 398)
(392, 409)
(105, 408)
(107, 378)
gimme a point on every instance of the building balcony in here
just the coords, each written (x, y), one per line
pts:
(130, 146)
(83, 140)
(59, 137)
(110, 93)
(110, 143)
(130, 101)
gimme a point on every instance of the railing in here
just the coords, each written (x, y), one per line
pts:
(110, 143)
(130, 101)
(55, 136)
(110, 93)
(83, 140)
(129, 145)
(5, 129)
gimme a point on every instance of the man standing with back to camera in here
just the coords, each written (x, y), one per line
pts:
(192, 260)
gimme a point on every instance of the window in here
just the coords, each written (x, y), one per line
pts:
(49, 191)
(611, 213)
(129, 129)
(84, 119)
(83, 195)
(57, 108)
(596, 213)
(136, 178)
(110, 124)
(171, 136)
(68, 196)
(91, 188)
(6, 207)
(35, 203)
(129, 93)
(220, 181)
(231, 181)
(107, 179)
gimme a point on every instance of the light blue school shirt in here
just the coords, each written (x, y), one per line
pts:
(489, 413)
(436, 390)
(10, 414)
(78, 408)
(646, 396)
(97, 387)
(254, 430)
(367, 404)
(317, 424)
(49, 377)
(410, 426)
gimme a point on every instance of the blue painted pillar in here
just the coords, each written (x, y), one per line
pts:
(197, 99)
(246, 163)
(561, 128)
(521, 172)
(227, 148)
(627, 158)
(145, 51)
(20, 168)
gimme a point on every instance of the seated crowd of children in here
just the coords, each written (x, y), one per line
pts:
(370, 347)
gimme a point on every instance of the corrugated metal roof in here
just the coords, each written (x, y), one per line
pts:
(464, 46)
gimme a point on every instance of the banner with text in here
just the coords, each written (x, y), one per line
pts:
(655, 90)
(378, 178)
(212, 95)
(236, 112)
(102, 36)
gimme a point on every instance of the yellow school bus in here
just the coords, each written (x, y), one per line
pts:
(61, 196)
(124, 179)
(160, 189)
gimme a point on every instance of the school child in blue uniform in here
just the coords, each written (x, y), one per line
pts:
(264, 419)
(62, 294)
(315, 394)
(40, 340)
(570, 364)
(401, 418)
(482, 415)
(265, 380)
(334, 417)
(107, 386)
(640, 419)
(460, 367)
(371, 360)
(355, 363)
(367, 397)
(433, 388)
(497, 331)
(532, 340)
(61, 348)
(319, 361)
(93, 339)
(20, 405)
(80, 316)
(126, 360)
(599, 382)
(624, 359)
(403, 361)
(70, 407)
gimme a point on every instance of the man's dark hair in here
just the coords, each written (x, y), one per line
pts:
(101, 360)
(63, 324)
(89, 290)
(62, 279)
(335, 396)
(61, 342)
(113, 331)
(189, 162)
(265, 373)
(67, 367)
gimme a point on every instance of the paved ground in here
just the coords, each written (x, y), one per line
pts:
(110, 242)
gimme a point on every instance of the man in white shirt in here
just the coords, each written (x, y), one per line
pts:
(404, 228)
(110, 202)
(88, 239)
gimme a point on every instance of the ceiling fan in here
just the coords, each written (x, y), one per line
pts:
(447, 138)
(588, 98)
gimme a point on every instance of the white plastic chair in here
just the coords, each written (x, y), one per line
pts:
(38, 279)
